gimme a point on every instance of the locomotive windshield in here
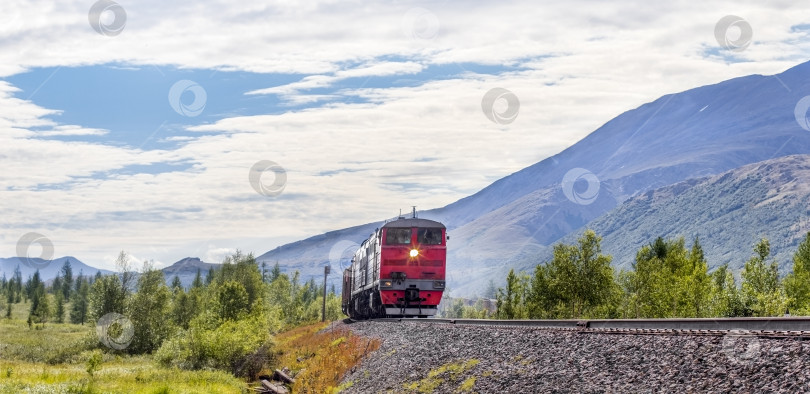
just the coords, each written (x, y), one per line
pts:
(398, 236)
(429, 236)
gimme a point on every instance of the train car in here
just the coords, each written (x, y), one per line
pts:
(399, 271)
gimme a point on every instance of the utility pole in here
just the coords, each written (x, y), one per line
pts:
(326, 270)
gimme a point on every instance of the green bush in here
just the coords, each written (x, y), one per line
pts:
(241, 347)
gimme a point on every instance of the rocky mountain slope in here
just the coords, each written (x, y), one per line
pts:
(729, 212)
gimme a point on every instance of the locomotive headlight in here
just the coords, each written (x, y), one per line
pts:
(438, 284)
(414, 253)
(387, 283)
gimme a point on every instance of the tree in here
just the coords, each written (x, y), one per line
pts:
(67, 279)
(797, 283)
(124, 267)
(761, 290)
(541, 301)
(232, 300)
(56, 286)
(40, 308)
(725, 299)
(244, 270)
(695, 283)
(9, 303)
(148, 309)
(580, 276)
(106, 295)
(275, 273)
(79, 303)
(32, 285)
(511, 301)
(181, 313)
(197, 283)
(59, 311)
(209, 276)
(176, 284)
(491, 290)
(18, 289)
(667, 280)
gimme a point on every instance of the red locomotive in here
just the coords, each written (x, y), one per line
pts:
(398, 271)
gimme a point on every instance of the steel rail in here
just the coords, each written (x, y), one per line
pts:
(762, 326)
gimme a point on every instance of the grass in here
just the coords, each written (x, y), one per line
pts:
(127, 374)
(322, 357)
(53, 359)
(450, 372)
(52, 343)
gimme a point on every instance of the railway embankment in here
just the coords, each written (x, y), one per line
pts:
(448, 358)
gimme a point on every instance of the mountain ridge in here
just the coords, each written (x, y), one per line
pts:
(698, 132)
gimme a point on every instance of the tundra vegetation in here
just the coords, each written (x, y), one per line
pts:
(668, 279)
(216, 335)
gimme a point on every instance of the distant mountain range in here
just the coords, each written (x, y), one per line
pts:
(185, 269)
(692, 134)
(48, 269)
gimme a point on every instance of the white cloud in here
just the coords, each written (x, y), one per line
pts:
(573, 65)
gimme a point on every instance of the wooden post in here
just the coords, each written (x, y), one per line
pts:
(326, 270)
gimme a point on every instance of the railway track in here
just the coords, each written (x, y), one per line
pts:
(773, 327)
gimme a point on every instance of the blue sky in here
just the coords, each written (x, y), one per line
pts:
(368, 108)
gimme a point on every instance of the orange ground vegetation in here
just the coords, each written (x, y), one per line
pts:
(321, 356)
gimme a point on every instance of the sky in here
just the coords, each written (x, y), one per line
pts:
(175, 129)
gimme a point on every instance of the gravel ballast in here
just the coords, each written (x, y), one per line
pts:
(449, 358)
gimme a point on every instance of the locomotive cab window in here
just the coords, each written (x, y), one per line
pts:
(429, 236)
(398, 236)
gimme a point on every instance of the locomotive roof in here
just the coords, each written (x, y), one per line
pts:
(423, 223)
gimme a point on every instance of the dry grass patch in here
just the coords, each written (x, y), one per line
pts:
(321, 357)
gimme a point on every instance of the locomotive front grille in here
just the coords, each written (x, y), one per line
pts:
(412, 294)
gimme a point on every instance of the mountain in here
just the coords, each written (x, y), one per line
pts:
(729, 213)
(696, 133)
(308, 256)
(48, 269)
(186, 270)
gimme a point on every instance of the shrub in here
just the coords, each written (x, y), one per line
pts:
(241, 347)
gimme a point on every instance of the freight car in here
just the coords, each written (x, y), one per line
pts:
(399, 271)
